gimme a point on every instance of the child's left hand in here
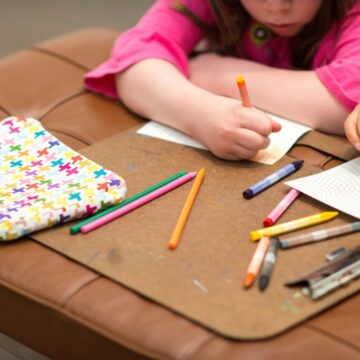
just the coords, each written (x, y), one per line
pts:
(352, 127)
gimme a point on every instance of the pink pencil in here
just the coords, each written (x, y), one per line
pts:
(137, 203)
(281, 207)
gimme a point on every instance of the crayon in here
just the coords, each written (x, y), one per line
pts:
(319, 235)
(293, 225)
(256, 261)
(243, 91)
(175, 237)
(272, 179)
(268, 264)
(281, 207)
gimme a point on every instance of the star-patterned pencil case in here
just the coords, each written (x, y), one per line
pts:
(43, 182)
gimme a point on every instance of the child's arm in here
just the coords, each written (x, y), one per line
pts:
(155, 89)
(297, 95)
(352, 128)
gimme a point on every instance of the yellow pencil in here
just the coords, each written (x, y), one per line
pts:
(243, 91)
(186, 210)
(293, 225)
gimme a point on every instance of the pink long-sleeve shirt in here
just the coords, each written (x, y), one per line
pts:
(165, 34)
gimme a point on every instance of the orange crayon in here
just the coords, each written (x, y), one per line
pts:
(243, 91)
(256, 261)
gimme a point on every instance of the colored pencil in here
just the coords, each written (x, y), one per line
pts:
(256, 261)
(319, 235)
(268, 264)
(76, 228)
(281, 207)
(243, 91)
(272, 179)
(175, 237)
(293, 225)
(137, 203)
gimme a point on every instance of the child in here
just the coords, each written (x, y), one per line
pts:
(300, 58)
(352, 128)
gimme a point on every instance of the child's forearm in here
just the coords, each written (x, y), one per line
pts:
(155, 89)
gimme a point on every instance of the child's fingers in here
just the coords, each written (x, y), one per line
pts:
(352, 127)
(259, 122)
(275, 126)
(251, 139)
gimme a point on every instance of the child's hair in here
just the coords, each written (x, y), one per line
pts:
(232, 20)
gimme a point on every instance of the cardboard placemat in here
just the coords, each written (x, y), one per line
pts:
(202, 279)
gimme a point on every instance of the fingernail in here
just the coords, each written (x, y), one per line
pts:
(357, 146)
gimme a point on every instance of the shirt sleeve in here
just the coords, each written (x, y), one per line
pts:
(340, 68)
(161, 33)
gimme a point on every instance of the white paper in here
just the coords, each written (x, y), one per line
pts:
(338, 187)
(280, 142)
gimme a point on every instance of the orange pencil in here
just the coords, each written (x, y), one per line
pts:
(243, 91)
(175, 237)
(256, 261)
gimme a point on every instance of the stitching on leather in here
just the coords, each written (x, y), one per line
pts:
(333, 337)
(194, 348)
(80, 288)
(4, 110)
(63, 101)
(60, 57)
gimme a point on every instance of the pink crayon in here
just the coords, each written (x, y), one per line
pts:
(136, 204)
(281, 207)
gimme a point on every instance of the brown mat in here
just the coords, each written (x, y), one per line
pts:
(202, 279)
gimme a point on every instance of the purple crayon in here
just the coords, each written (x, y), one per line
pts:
(272, 179)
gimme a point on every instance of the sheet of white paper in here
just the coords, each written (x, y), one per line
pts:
(338, 187)
(280, 142)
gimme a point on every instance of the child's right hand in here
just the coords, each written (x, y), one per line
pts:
(231, 131)
(352, 127)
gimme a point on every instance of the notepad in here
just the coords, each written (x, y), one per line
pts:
(338, 187)
(43, 182)
(280, 142)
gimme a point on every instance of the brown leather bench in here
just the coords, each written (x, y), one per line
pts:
(64, 310)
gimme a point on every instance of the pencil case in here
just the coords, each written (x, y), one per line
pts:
(44, 183)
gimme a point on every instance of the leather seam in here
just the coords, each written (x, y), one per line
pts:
(333, 337)
(60, 57)
(5, 111)
(61, 102)
(200, 347)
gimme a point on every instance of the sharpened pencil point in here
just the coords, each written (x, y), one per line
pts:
(248, 281)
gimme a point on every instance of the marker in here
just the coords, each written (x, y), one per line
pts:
(136, 204)
(243, 91)
(272, 179)
(256, 261)
(281, 207)
(319, 235)
(268, 265)
(293, 225)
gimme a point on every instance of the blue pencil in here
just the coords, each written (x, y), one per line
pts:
(272, 179)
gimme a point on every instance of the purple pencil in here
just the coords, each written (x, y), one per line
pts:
(281, 207)
(137, 203)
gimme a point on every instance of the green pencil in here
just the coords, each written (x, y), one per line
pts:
(76, 228)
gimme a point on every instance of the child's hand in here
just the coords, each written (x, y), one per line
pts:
(232, 131)
(352, 127)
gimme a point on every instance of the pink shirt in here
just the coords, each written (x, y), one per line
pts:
(165, 34)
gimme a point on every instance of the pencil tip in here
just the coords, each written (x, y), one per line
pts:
(263, 282)
(268, 222)
(248, 281)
